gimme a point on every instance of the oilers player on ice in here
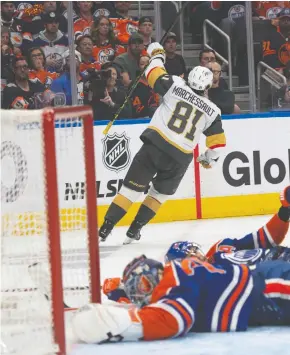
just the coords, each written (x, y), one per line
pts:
(184, 296)
(189, 294)
(261, 245)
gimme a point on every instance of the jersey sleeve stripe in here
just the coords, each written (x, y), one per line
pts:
(240, 304)
(174, 313)
(185, 314)
(186, 306)
(231, 303)
(269, 237)
(255, 239)
(175, 275)
(222, 299)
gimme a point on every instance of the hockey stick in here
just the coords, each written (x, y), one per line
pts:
(40, 277)
(133, 87)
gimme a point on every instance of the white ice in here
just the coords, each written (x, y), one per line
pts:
(156, 238)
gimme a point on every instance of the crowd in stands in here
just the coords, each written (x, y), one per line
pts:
(110, 49)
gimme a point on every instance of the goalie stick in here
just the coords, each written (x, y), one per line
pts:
(133, 87)
(40, 277)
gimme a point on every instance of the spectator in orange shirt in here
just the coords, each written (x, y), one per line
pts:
(37, 73)
(106, 47)
(123, 24)
(82, 26)
(85, 47)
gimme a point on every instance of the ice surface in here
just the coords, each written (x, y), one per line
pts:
(156, 238)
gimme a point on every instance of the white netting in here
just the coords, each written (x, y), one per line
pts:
(26, 322)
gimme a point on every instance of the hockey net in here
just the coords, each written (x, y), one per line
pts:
(49, 245)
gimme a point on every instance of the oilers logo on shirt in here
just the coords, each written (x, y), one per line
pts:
(105, 54)
(247, 257)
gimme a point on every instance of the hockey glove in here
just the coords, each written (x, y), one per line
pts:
(156, 50)
(113, 288)
(208, 159)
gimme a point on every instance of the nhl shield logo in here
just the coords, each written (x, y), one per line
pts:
(116, 153)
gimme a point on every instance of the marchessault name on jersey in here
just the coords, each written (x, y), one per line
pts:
(193, 99)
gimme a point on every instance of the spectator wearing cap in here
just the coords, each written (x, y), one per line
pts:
(276, 45)
(52, 41)
(174, 64)
(224, 99)
(31, 20)
(62, 85)
(146, 30)
(129, 62)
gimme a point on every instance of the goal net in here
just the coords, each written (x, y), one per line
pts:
(49, 245)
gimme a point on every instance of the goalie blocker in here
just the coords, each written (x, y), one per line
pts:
(168, 143)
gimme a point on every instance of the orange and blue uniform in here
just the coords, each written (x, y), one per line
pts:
(197, 296)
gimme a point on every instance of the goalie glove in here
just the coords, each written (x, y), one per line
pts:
(208, 159)
(156, 50)
(99, 323)
(113, 288)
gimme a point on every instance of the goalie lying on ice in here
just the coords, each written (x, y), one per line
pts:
(187, 295)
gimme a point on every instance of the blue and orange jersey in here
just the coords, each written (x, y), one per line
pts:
(266, 237)
(123, 28)
(103, 54)
(82, 27)
(198, 296)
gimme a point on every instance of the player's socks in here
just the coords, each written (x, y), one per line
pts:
(115, 213)
(146, 212)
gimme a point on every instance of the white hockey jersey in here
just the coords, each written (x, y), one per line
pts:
(182, 116)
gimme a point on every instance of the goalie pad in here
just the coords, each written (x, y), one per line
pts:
(98, 323)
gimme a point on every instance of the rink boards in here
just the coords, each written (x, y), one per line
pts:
(253, 169)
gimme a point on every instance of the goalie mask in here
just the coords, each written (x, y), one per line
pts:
(140, 277)
(200, 78)
(182, 250)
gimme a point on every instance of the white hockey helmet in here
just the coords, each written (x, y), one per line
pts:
(200, 78)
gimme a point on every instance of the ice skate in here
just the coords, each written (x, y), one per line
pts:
(133, 233)
(105, 230)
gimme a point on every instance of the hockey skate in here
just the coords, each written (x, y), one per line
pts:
(285, 197)
(133, 232)
(105, 230)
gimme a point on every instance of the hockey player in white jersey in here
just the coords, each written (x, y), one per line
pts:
(168, 143)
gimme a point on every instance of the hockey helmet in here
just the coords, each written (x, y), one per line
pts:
(140, 277)
(200, 78)
(182, 250)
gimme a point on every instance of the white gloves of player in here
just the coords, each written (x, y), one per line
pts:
(156, 50)
(208, 159)
(98, 323)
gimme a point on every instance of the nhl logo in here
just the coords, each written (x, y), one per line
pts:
(116, 153)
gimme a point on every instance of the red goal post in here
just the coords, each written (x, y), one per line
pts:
(48, 120)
